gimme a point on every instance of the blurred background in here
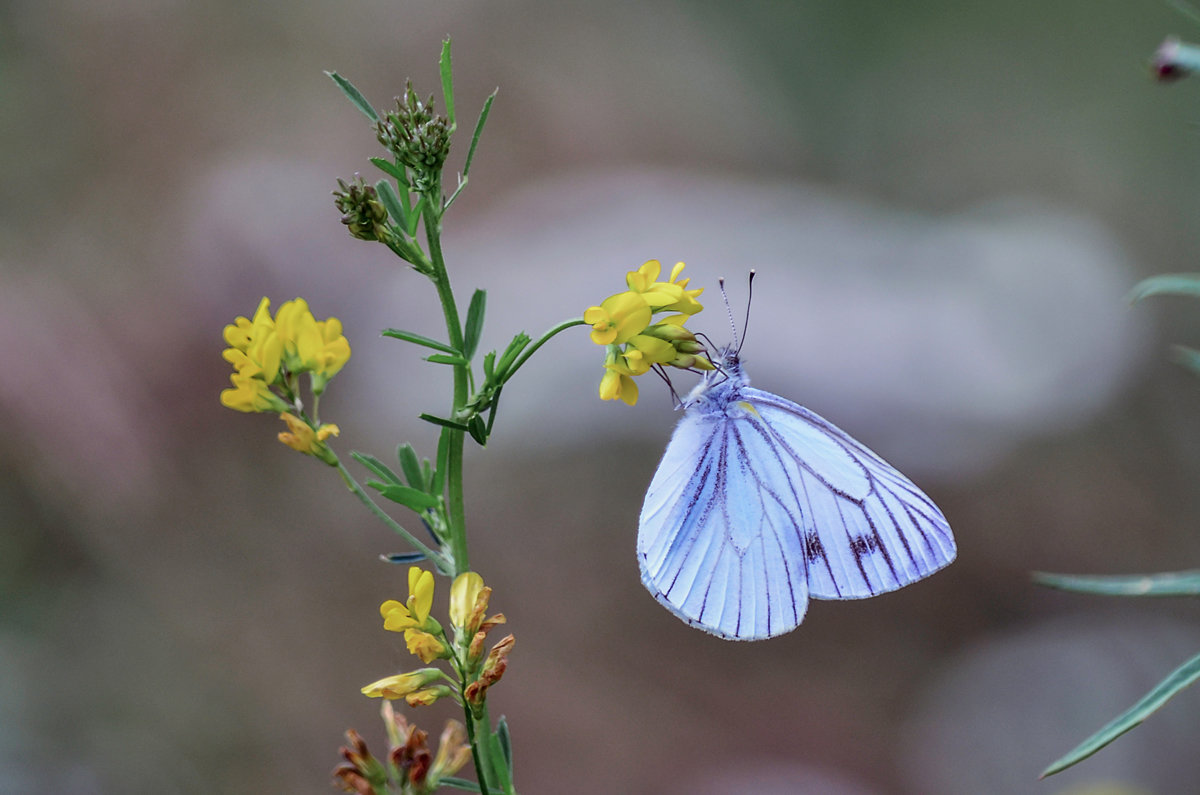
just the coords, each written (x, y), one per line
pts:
(946, 205)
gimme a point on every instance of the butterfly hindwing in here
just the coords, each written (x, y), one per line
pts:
(716, 540)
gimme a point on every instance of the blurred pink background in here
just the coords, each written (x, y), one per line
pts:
(945, 205)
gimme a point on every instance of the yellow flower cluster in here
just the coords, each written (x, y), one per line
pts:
(426, 639)
(268, 354)
(634, 341)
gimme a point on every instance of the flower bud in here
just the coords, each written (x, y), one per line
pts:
(362, 212)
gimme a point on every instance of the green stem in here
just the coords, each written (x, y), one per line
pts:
(366, 500)
(455, 504)
(476, 754)
(532, 349)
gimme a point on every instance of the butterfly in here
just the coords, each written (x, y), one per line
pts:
(759, 504)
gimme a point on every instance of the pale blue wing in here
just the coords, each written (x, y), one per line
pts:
(863, 526)
(717, 540)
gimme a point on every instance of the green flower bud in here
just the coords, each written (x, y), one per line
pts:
(362, 212)
(418, 138)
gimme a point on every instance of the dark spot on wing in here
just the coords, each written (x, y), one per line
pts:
(862, 546)
(812, 547)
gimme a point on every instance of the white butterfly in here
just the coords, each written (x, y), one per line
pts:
(759, 504)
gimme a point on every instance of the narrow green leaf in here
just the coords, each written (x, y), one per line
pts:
(377, 467)
(505, 743)
(495, 403)
(459, 783)
(408, 497)
(447, 82)
(1188, 357)
(483, 114)
(414, 217)
(391, 169)
(391, 203)
(419, 339)
(427, 476)
(474, 324)
(1180, 678)
(510, 354)
(410, 465)
(354, 95)
(445, 423)
(1166, 284)
(402, 557)
(1167, 583)
(443, 458)
(489, 365)
(439, 358)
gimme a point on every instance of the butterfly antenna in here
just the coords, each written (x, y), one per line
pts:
(749, 298)
(676, 401)
(729, 311)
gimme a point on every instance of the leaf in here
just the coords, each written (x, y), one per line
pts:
(443, 459)
(354, 95)
(391, 169)
(402, 557)
(483, 114)
(1180, 678)
(415, 217)
(415, 499)
(474, 325)
(459, 783)
(439, 358)
(1168, 583)
(489, 362)
(447, 82)
(445, 423)
(409, 336)
(410, 465)
(377, 467)
(505, 743)
(1166, 284)
(510, 354)
(391, 203)
(427, 475)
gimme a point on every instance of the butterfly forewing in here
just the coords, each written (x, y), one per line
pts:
(876, 537)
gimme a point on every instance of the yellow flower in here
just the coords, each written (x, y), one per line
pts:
(644, 282)
(400, 685)
(425, 645)
(301, 436)
(467, 593)
(428, 695)
(310, 345)
(643, 351)
(635, 342)
(687, 303)
(614, 385)
(254, 347)
(415, 613)
(618, 318)
(250, 394)
(240, 334)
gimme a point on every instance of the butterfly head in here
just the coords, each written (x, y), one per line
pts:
(722, 385)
